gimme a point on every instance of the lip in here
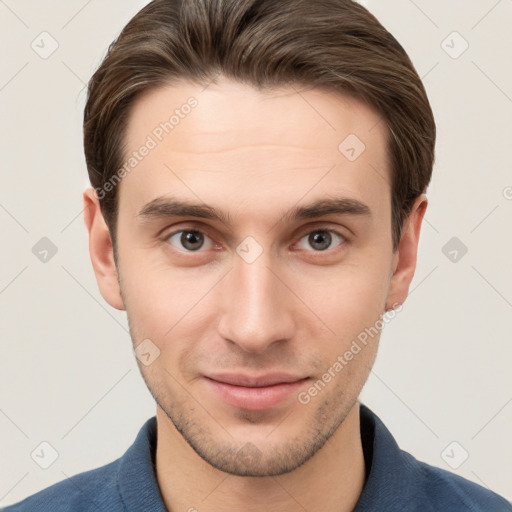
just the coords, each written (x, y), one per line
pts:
(255, 393)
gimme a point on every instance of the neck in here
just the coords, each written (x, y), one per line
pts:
(332, 480)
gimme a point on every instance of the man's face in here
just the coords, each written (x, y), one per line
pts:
(257, 297)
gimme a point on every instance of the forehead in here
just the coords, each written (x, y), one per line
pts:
(231, 143)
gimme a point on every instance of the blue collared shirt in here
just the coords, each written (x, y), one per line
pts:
(395, 482)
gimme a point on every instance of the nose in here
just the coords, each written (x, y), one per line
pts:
(257, 308)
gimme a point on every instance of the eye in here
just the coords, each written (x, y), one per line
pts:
(190, 240)
(321, 239)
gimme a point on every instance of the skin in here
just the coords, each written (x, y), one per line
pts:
(255, 155)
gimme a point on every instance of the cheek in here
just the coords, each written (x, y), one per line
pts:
(351, 303)
(167, 305)
(348, 299)
(156, 290)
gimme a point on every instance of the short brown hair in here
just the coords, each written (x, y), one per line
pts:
(330, 44)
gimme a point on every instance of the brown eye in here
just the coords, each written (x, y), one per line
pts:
(321, 239)
(190, 240)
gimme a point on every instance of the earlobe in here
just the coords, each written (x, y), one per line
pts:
(101, 251)
(404, 260)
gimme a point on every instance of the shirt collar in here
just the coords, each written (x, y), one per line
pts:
(391, 476)
(136, 477)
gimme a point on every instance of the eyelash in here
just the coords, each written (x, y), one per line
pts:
(343, 237)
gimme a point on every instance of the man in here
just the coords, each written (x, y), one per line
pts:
(258, 174)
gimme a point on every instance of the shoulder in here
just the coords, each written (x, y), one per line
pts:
(398, 481)
(95, 489)
(444, 490)
(128, 483)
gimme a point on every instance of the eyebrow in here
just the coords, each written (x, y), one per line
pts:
(166, 207)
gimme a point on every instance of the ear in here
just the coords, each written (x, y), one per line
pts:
(101, 251)
(404, 259)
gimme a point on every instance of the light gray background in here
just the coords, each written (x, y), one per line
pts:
(67, 373)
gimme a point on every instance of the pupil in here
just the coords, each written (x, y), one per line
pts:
(192, 240)
(320, 240)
